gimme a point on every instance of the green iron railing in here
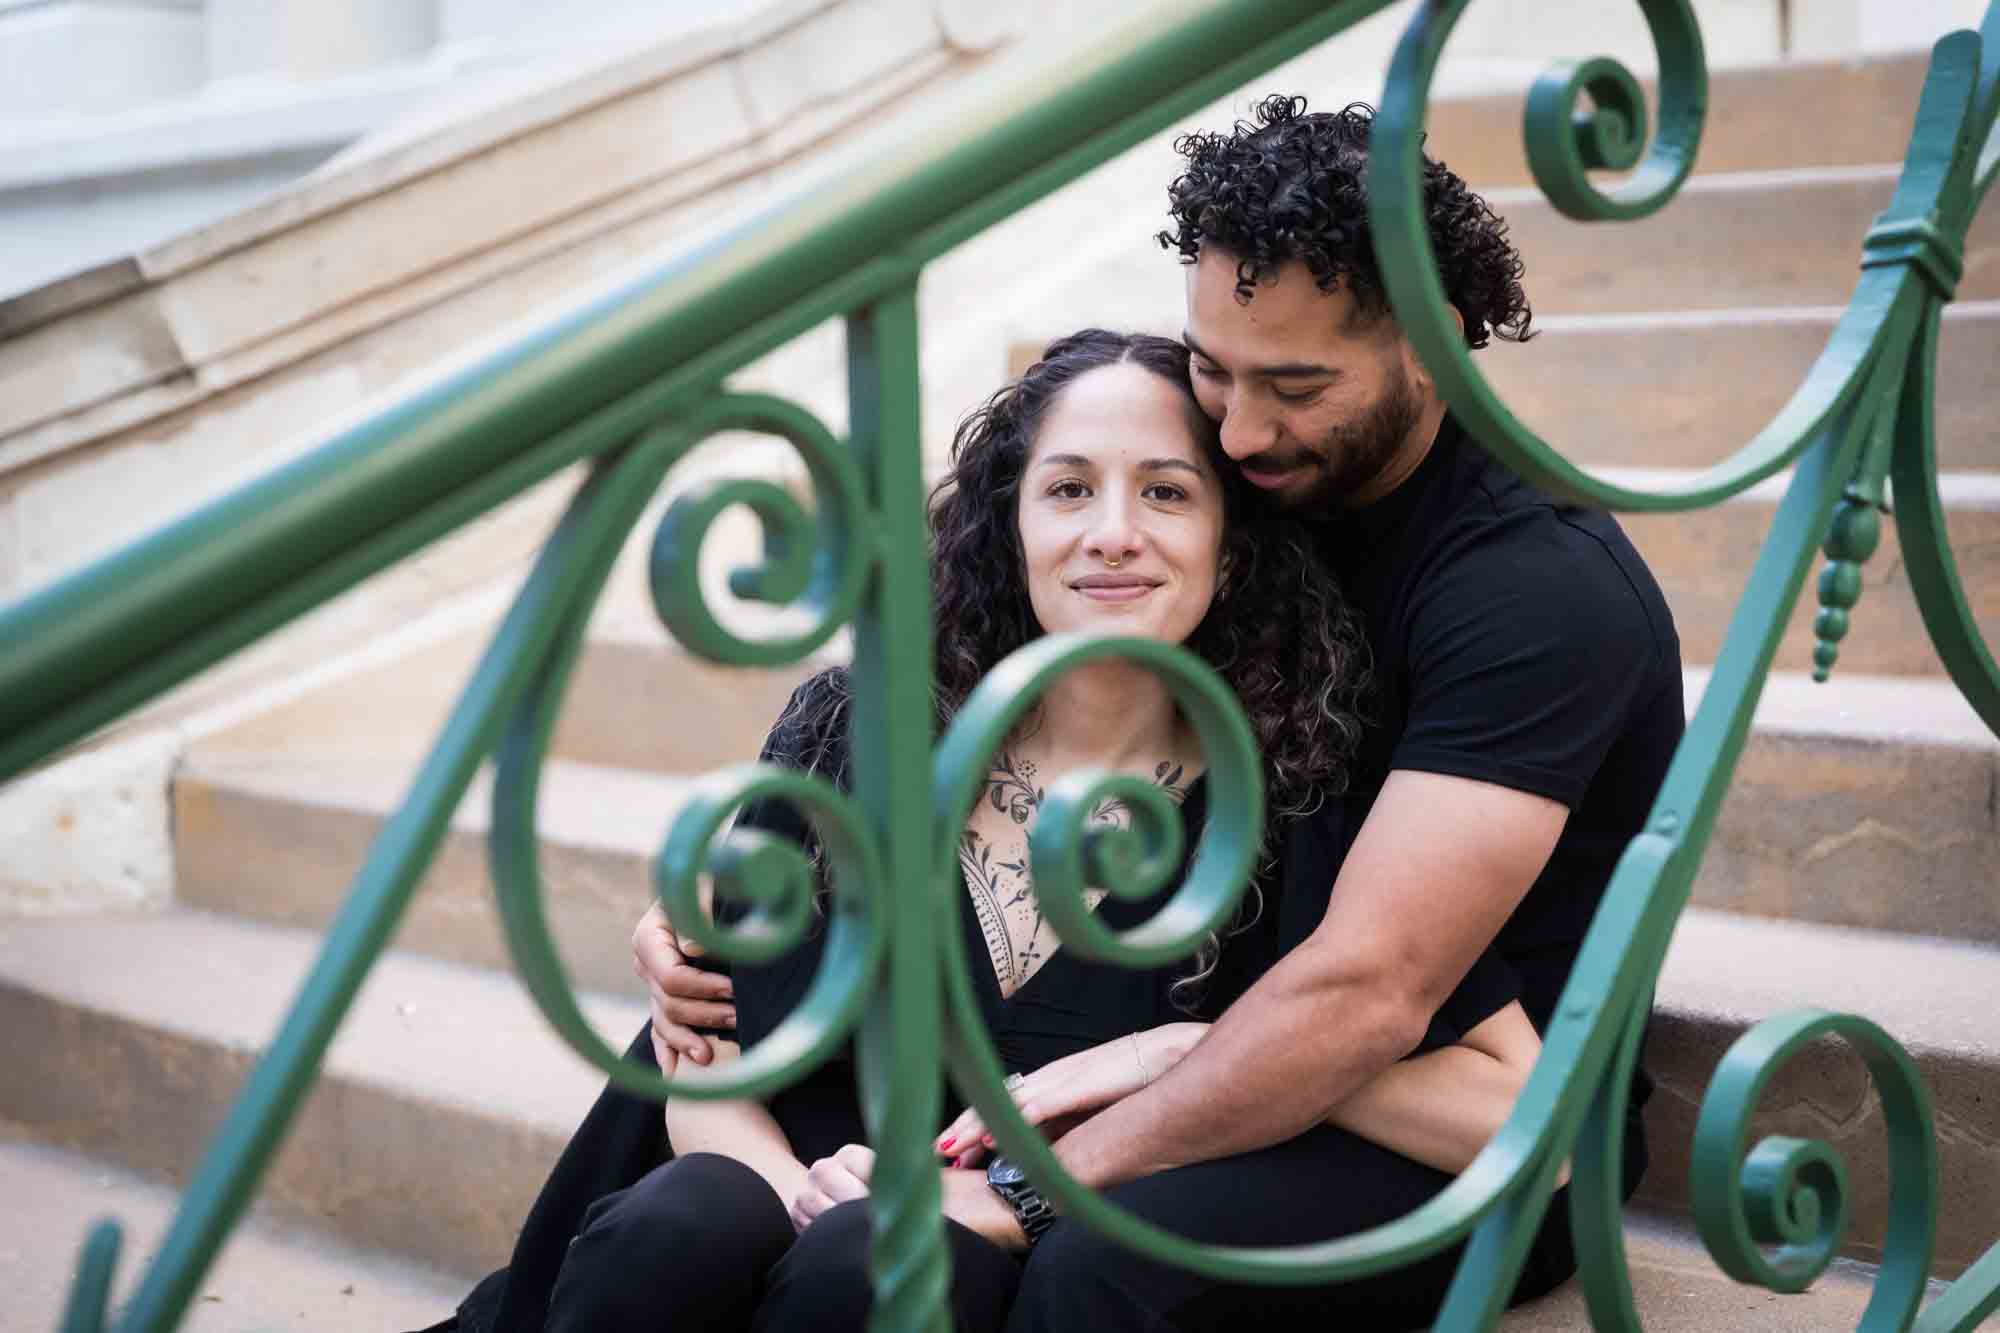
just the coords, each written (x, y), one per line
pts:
(633, 381)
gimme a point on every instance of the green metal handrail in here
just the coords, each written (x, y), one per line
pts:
(634, 380)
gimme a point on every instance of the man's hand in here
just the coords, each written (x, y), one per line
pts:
(683, 997)
(833, 1180)
(1063, 1091)
(971, 1202)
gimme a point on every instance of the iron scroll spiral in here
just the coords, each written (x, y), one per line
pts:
(818, 562)
(1790, 1193)
(1068, 854)
(1563, 145)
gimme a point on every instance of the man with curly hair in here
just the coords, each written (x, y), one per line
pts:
(1526, 702)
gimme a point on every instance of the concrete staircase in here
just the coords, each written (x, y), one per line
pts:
(1853, 866)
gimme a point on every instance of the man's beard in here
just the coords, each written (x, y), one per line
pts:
(1354, 453)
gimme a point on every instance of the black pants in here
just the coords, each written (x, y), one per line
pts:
(704, 1243)
(1323, 1184)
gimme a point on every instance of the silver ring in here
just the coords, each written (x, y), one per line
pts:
(1015, 1080)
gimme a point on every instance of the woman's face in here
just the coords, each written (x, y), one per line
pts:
(1120, 512)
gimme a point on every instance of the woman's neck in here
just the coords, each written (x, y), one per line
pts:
(1108, 714)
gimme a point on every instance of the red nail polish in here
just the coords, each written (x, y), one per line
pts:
(945, 1144)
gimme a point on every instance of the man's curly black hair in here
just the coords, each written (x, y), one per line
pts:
(1294, 186)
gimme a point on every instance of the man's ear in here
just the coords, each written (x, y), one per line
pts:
(1414, 364)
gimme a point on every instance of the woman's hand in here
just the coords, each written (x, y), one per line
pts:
(971, 1202)
(833, 1180)
(683, 997)
(1064, 1090)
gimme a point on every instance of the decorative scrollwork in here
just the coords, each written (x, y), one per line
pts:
(1068, 854)
(1564, 144)
(818, 562)
(1790, 1193)
(771, 877)
(1855, 532)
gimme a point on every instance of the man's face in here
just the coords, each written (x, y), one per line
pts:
(1317, 408)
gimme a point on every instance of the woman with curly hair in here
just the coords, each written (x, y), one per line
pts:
(1091, 494)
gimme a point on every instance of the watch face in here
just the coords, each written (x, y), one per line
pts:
(1004, 1172)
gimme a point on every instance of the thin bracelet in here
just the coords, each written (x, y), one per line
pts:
(1144, 1077)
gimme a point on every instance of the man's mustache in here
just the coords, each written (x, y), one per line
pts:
(1270, 462)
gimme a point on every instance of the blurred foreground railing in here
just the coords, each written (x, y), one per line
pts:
(634, 380)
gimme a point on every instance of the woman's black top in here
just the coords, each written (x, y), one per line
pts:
(1071, 1003)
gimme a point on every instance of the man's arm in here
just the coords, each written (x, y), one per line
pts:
(1435, 871)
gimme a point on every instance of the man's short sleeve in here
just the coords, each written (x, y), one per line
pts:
(1526, 651)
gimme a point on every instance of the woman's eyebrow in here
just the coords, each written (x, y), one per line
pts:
(1063, 460)
(1170, 464)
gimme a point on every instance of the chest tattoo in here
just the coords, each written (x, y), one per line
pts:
(993, 856)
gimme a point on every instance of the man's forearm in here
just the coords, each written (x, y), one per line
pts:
(1276, 1064)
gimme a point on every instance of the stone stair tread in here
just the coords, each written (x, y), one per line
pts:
(1728, 316)
(1678, 1289)
(596, 806)
(1742, 969)
(1919, 710)
(270, 1275)
(432, 1030)
(277, 1274)
(1969, 489)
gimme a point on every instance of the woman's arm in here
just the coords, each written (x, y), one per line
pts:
(744, 1130)
(1440, 1108)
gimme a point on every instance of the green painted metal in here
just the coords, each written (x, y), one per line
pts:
(633, 381)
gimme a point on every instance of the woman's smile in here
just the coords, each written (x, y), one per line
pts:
(1114, 587)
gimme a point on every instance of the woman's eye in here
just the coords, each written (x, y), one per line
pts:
(1068, 490)
(1208, 372)
(1166, 492)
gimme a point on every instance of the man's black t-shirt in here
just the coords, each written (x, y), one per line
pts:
(1517, 640)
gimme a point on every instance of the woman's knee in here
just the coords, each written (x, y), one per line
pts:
(702, 1229)
(822, 1280)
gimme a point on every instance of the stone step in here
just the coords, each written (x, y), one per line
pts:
(279, 838)
(1703, 559)
(1678, 1289)
(1844, 788)
(636, 699)
(1687, 390)
(1819, 113)
(1725, 973)
(1864, 801)
(273, 1273)
(445, 1099)
(442, 1105)
(1728, 240)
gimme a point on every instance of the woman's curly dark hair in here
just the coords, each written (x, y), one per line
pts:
(1278, 630)
(1295, 186)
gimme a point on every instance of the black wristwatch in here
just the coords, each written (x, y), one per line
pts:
(1031, 1210)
